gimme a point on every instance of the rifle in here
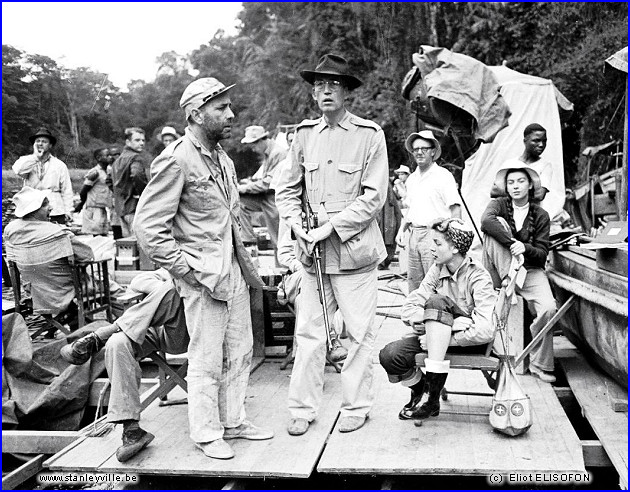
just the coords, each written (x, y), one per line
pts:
(336, 351)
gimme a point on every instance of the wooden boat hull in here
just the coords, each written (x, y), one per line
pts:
(597, 323)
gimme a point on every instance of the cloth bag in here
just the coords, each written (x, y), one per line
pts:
(511, 411)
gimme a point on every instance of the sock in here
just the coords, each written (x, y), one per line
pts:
(105, 332)
(129, 425)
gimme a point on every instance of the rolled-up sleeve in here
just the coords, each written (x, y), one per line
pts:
(362, 211)
(24, 165)
(484, 298)
(154, 216)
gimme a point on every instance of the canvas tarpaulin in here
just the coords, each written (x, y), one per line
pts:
(465, 83)
(39, 390)
(531, 100)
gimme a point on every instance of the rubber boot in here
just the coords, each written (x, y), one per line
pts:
(417, 390)
(436, 374)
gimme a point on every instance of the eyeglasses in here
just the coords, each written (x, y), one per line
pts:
(421, 150)
(333, 85)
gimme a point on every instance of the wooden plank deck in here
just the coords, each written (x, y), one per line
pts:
(455, 444)
(591, 388)
(446, 445)
(173, 453)
(451, 444)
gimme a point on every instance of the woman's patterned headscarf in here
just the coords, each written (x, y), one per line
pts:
(459, 233)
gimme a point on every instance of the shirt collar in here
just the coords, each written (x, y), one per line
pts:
(427, 172)
(195, 141)
(344, 122)
(444, 273)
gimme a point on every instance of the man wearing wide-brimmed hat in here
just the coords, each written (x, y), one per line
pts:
(340, 160)
(431, 193)
(257, 194)
(187, 222)
(43, 171)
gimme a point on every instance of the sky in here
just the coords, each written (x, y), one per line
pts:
(122, 39)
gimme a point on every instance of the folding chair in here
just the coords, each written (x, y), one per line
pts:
(89, 280)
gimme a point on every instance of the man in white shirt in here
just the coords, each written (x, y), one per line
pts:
(431, 193)
(43, 171)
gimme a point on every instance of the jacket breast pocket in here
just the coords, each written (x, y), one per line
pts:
(349, 177)
(311, 176)
(200, 193)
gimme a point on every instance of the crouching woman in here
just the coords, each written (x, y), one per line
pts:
(450, 311)
(514, 224)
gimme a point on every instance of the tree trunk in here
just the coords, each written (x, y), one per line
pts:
(433, 13)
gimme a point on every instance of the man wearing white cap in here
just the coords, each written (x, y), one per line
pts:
(400, 188)
(32, 240)
(431, 193)
(257, 194)
(168, 135)
(187, 221)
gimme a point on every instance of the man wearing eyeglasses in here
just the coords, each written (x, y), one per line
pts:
(341, 160)
(431, 193)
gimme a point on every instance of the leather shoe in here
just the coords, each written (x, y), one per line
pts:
(134, 441)
(297, 427)
(247, 430)
(80, 351)
(218, 449)
(351, 423)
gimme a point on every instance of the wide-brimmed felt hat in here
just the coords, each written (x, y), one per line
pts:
(28, 200)
(43, 132)
(253, 134)
(403, 169)
(200, 91)
(498, 188)
(424, 135)
(333, 65)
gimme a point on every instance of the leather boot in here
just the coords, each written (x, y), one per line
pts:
(417, 390)
(431, 408)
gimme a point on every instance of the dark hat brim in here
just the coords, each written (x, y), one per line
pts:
(350, 80)
(52, 139)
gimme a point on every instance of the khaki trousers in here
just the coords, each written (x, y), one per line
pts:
(219, 357)
(355, 297)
